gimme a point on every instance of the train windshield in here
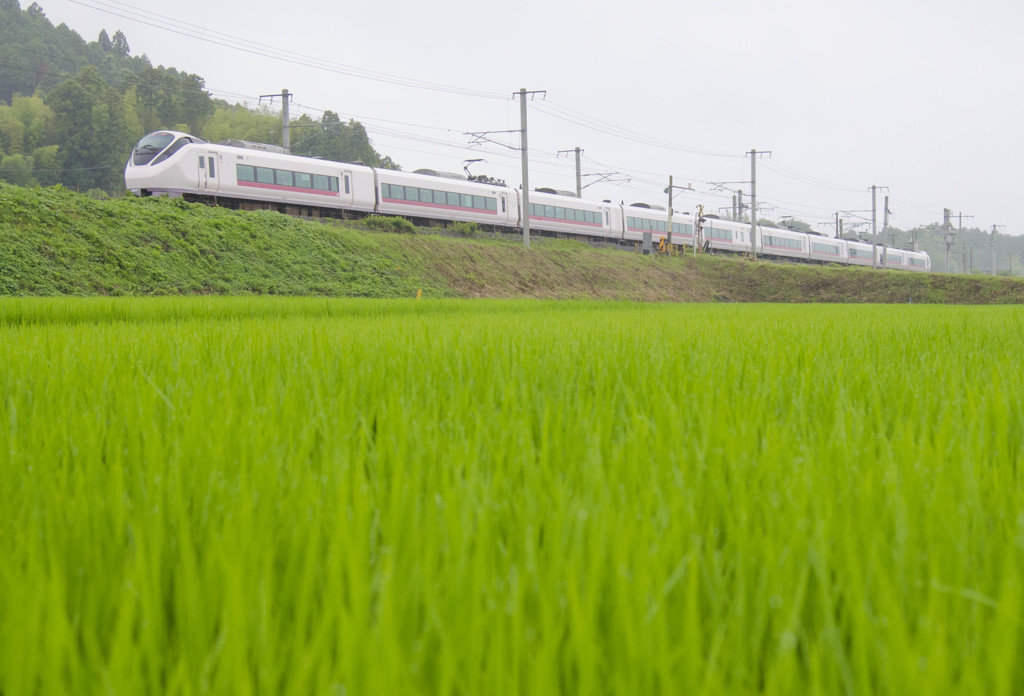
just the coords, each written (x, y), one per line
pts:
(150, 146)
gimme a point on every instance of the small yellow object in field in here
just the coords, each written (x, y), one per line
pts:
(419, 293)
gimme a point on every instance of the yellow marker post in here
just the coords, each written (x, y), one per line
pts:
(419, 293)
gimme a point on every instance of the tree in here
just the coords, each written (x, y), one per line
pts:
(17, 72)
(239, 123)
(104, 41)
(797, 225)
(340, 142)
(47, 164)
(17, 169)
(12, 132)
(39, 119)
(120, 45)
(92, 131)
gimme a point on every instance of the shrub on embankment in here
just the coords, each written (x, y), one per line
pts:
(56, 242)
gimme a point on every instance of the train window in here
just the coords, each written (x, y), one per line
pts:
(213, 171)
(333, 181)
(320, 182)
(178, 144)
(346, 184)
(478, 202)
(149, 147)
(453, 199)
(264, 175)
(283, 178)
(466, 200)
(560, 213)
(245, 172)
(411, 193)
(303, 180)
(492, 204)
(202, 162)
(440, 198)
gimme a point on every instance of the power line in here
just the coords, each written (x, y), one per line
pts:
(580, 119)
(176, 26)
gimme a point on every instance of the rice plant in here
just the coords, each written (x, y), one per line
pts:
(298, 496)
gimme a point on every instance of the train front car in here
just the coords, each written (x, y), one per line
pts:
(919, 261)
(156, 164)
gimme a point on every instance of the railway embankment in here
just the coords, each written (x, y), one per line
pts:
(57, 242)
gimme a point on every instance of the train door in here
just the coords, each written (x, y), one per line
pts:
(346, 187)
(209, 174)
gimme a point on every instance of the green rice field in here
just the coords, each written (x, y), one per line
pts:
(340, 497)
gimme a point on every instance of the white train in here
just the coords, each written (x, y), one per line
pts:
(247, 174)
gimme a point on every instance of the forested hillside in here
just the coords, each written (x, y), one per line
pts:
(70, 110)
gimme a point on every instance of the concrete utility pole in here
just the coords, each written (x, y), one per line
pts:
(526, 162)
(668, 235)
(963, 240)
(734, 207)
(579, 178)
(753, 200)
(286, 140)
(963, 246)
(993, 243)
(885, 238)
(874, 235)
(874, 229)
(946, 212)
(739, 203)
(579, 187)
(285, 117)
(670, 189)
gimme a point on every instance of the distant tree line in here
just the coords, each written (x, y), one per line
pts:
(71, 110)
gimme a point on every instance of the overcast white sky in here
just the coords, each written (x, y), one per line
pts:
(922, 97)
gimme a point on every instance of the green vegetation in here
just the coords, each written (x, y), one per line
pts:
(241, 495)
(384, 223)
(70, 111)
(55, 242)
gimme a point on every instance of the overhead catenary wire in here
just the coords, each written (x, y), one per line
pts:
(194, 31)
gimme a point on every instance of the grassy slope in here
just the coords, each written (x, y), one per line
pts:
(54, 242)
